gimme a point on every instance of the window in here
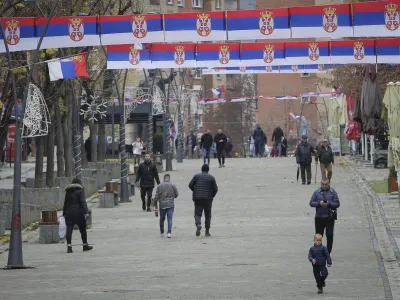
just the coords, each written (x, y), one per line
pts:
(154, 2)
(197, 3)
(305, 99)
(197, 74)
(217, 3)
(218, 76)
(180, 3)
(170, 2)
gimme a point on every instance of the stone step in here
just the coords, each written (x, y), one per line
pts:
(394, 193)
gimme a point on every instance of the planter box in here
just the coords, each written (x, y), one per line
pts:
(392, 184)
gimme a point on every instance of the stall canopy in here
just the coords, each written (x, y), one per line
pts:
(392, 103)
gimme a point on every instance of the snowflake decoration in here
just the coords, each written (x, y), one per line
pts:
(136, 95)
(94, 107)
(36, 117)
(158, 101)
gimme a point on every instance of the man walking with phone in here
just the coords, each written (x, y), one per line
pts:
(326, 202)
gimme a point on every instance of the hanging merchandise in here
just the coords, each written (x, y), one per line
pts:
(353, 131)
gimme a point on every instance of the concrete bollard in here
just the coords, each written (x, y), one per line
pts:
(107, 199)
(48, 234)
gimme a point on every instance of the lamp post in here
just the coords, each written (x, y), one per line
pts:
(15, 259)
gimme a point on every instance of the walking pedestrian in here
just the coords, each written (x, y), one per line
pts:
(137, 148)
(204, 189)
(147, 173)
(326, 159)
(165, 194)
(258, 136)
(193, 140)
(206, 145)
(277, 137)
(326, 202)
(75, 212)
(220, 139)
(284, 147)
(319, 256)
(304, 159)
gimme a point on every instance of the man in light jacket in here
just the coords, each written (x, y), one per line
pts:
(204, 189)
(137, 148)
(165, 194)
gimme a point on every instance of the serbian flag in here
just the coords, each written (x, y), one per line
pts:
(315, 69)
(195, 27)
(117, 30)
(218, 55)
(377, 18)
(127, 57)
(259, 24)
(298, 53)
(65, 32)
(68, 68)
(172, 131)
(294, 115)
(293, 69)
(173, 55)
(388, 51)
(20, 34)
(332, 21)
(219, 90)
(258, 54)
(353, 52)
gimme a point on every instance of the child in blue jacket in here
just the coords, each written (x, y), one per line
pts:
(319, 256)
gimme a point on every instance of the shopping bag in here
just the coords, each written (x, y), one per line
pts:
(62, 229)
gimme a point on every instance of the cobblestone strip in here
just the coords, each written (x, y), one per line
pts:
(382, 238)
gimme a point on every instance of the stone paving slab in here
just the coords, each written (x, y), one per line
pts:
(262, 228)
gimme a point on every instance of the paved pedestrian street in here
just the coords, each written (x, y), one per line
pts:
(262, 227)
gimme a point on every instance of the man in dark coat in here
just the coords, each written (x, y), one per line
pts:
(75, 211)
(206, 144)
(220, 139)
(326, 159)
(324, 200)
(204, 189)
(277, 137)
(258, 136)
(147, 173)
(304, 159)
(284, 147)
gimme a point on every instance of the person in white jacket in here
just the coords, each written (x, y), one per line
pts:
(137, 148)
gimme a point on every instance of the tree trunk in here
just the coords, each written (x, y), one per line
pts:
(50, 154)
(59, 142)
(39, 144)
(67, 129)
(93, 135)
(101, 155)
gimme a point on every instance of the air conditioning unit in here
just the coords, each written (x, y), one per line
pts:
(305, 75)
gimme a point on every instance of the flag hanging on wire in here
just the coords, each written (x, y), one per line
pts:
(172, 131)
(68, 68)
(219, 90)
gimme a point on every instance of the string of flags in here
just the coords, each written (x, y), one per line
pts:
(379, 18)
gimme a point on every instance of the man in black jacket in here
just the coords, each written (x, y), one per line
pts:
(220, 140)
(204, 189)
(326, 159)
(277, 137)
(147, 173)
(206, 144)
(304, 159)
(259, 142)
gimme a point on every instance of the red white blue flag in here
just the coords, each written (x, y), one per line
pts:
(332, 21)
(218, 55)
(117, 30)
(19, 34)
(388, 51)
(259, 54)
(127, 57)
(259, 24)
(377, 18)
(173, 55)
(195, 27)
(243, 70)
(68, 68)
(298, 53)
(65, 32)
(353, 52)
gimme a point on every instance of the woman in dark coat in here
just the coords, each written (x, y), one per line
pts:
(76, 211)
